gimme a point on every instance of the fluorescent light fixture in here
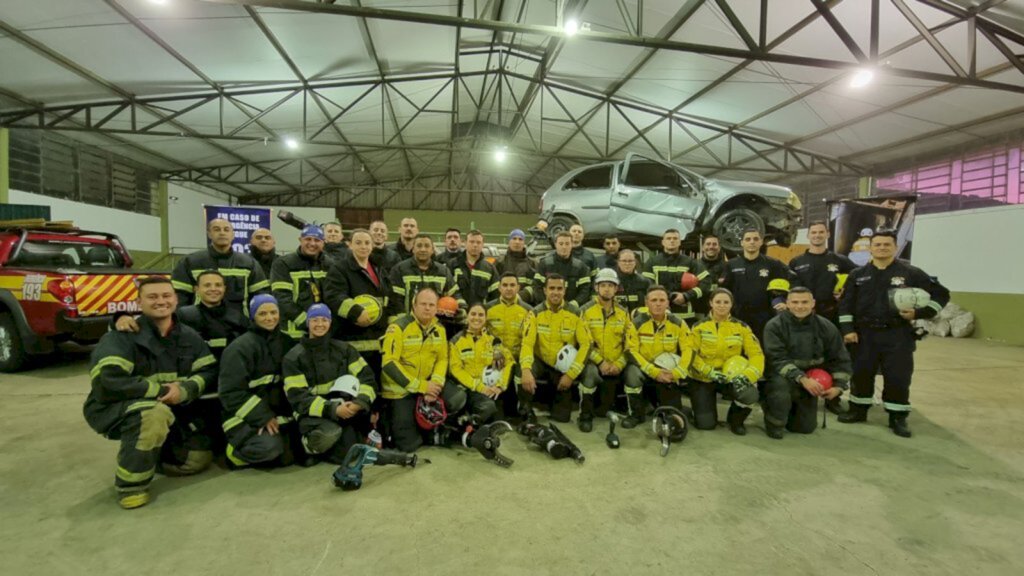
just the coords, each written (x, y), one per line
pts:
(571, 27)
(862, 78)
(500, 154)
(159, 2)
(291, 143)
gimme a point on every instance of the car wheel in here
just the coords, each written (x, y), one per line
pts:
(729, 227)
(12, 353)
(557, 225)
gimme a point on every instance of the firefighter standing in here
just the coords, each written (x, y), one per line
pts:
(142, 385)
(516, 261)
(660, 336)
(332, 417)
(579, 251)
(297, 279)
(335, 245)
(632, 285)
(822, 271)
(712, 259)
(748, 277)
(667, 267)
(610, 258)
(216, 322)
(884, 336)
(796, 341)
(244, 276)
(476, 277)
(575, 273)
(613, 339)
(408, 230)
(383, 256)
(411, 275)
(550, 328)
(261, 248)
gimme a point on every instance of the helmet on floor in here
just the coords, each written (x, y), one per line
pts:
(430, 414)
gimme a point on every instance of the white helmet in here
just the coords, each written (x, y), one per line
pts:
(347, 384)
(606, 275)
(667, 361)
(904, 299)
(491, 376)
(566, 356)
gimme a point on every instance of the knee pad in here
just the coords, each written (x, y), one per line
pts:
(747, 397)
(156, 422)
(322, 438)
(455, 401)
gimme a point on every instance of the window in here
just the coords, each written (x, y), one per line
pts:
(56, 254)
(657, 176)
(597, 177)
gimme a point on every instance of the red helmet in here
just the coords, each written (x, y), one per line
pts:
(430, 415)
(688, 281)
(823, 377)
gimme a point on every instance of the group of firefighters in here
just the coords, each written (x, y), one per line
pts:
(276, 359)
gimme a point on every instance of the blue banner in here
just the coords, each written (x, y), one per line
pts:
(244, 220)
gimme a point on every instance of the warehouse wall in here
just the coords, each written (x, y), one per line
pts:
(976, 254)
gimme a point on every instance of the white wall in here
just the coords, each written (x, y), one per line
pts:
(139, 232)
(973, 250)
(186, 218)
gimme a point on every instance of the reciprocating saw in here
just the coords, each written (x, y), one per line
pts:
(349, 476)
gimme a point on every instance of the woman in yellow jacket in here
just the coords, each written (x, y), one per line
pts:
(470, 354)
(727, 360)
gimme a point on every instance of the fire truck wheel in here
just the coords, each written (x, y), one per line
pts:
(12, 353)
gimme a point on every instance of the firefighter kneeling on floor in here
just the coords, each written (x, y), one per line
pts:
(662, 356)
(140, 383)
(415, 364)
(478, 362)
(798, 340)
(331, 388)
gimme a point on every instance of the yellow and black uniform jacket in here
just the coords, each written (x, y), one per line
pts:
(506, 320)
(479, 284)
(469, 355)
(346, 279)
(632, 291)
(548, 330)
(578, 286)
(407, 278)
(218, 325)
(297, 282)
(612, 336)
(656, 338)
(250, 382)
(310, 369)
(127, 369)
(667, 270)
(243, 277)
(715, 342)
(413, 356)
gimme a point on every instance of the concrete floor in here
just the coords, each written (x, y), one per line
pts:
(852, 499)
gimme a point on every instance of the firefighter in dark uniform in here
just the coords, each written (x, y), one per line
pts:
(796, 341)
(712, 259)
(610, 258)
(885, 337)
(822, 271)
(142, 386)
(578, 286)
(357, 292)
(257, 416)
(453, 252)
(332, 416)
(244, 276)
(667, 267)
(383, 256)
(408, 230)
(298, 279)
(632, 285)
(422, 270)
(335, 245)
(748, 277)
(476, 277)
(579, 252)
(261, 248)
(216, 322)
(516, 261)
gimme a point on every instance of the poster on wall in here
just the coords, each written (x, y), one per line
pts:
(852, 222)
(243, 220)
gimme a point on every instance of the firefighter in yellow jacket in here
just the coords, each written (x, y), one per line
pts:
(506, 318)
(662, 356)
(415, 362)
(479, 362)
(612, 337)
(727, 360)
(555, 346)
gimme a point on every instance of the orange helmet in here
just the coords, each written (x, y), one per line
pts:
(447, 304)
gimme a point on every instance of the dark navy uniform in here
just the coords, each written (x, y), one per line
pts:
(632, 291)
(578, 287)
(715, 270)
(748, 280)
(243, 277)
(819, 273)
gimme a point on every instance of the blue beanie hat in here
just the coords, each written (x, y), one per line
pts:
(260, 300)
(312, 231)
(517, 233)
(318, 311)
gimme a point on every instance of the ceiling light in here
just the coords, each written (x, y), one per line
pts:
(571, 27)
(862, 78)
(500, 154)
(291, 143)
(159, 2)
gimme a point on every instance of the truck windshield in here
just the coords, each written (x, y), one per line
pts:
(57, 254)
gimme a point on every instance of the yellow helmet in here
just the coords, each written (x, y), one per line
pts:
(840, 283)
(780, 284)
(735, 366)
(371, 305)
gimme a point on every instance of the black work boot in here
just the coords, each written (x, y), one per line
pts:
(898, 423)
(735, 417)
(637, 411)
(585, 422)
(774, 432)
(834, 405)
(856, 413)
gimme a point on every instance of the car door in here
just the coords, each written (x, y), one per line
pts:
(650, 196)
